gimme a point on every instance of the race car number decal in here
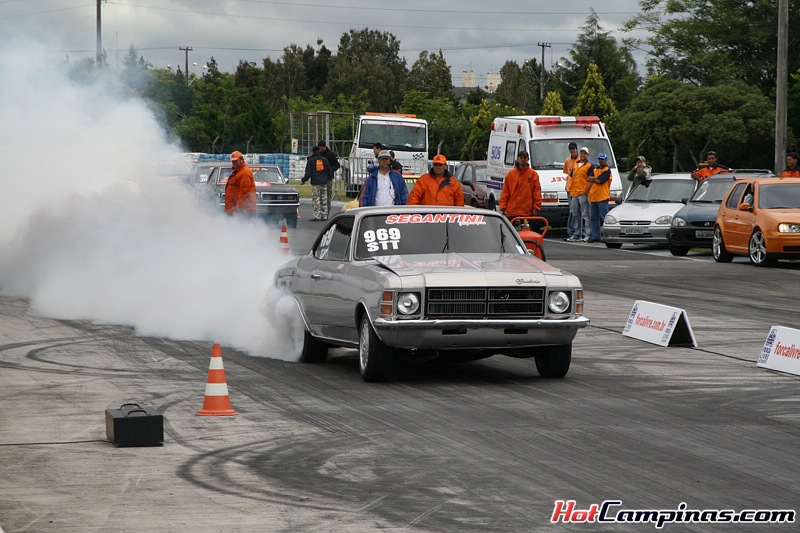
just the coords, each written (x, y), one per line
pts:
(438, 218)
(382, 239)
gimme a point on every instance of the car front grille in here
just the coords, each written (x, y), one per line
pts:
(277, 198)
(492, 302)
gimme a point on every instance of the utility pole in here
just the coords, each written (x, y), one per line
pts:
(541, 78)
(781, 82)
(99, 37)
(186, 49)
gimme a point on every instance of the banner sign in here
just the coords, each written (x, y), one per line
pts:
(781, 350)
(659, 324)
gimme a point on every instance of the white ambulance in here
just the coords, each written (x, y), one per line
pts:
(547, 138)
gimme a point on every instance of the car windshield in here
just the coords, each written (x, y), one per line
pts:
(662, 190)
(712, 191)
(779, 196)
(429, 233)
(267, 174)
(395, 136)
(551, 153)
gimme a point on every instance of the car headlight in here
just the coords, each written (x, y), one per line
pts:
(789, 228)
(407, 303)
(678, 222)
(550, 196)
(609, 220)
(558, 302)
(665, 220)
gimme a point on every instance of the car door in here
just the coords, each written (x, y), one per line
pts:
(742, 221)
(465, 174)
(727, 217)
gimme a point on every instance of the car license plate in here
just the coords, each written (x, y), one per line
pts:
(703, 234)
(632, 231)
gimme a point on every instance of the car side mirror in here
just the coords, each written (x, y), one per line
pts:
(684, 201)
(623, 164)
(618, 200)
(744, 206)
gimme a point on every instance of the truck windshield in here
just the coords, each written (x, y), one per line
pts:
(549, 154)
(405, 137)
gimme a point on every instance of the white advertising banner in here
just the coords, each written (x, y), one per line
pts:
(659, 324)
(781, 350)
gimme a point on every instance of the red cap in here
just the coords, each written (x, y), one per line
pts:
(439, 158)
(236, 155)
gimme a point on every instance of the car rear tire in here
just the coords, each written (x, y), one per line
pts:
(615, 245)
(473, 202)
(678, 251)
(313, 351)
(375, 359)
(721, 255)
(554, 361)
(757, 249)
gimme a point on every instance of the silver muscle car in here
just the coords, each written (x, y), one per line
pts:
(424, 282)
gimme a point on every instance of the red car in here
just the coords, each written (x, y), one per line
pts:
(472, 177)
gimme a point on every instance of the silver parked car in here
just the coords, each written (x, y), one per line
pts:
(423, 282)
(646, 214)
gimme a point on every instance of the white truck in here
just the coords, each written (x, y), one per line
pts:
(546, 138)
(405, 135)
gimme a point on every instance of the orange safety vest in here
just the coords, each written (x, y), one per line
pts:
(601, 191)
(579, 174)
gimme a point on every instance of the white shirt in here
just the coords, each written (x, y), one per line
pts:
(385, 193)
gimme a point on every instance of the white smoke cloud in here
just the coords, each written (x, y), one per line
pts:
(89, 233)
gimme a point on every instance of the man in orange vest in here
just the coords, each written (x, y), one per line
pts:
(569, 164)
(240, 191)
(792, 168)
(522, 192)
(599, 195)
(579, 201)
(713, 167)
(437, 186)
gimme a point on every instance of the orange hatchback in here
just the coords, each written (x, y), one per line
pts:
(760, 219)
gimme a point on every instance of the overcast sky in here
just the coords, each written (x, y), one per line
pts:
(473, 35)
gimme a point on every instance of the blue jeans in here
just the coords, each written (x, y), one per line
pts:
(599, 210)
(574, 219)
(585, 220)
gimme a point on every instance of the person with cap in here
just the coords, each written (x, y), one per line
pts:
(579, 200)
(240, 191)
(792, 168)
(319, 172)
(372, 164)
(437, 187)
(713, 167)
(599, 195)
(333, 160)
(384, 186)
(522, 192)
(640, 172)
(569, 164)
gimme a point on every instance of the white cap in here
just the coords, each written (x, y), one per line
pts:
(584, 149)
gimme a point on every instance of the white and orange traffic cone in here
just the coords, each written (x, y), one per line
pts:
(285, 241)
(217, 402)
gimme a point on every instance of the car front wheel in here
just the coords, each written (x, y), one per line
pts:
(554, 361)
(616, 245)
(375, 359)
(758, 249)
(721, 255)
(678, 251)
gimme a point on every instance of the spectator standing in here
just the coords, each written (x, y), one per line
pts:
(792, 167)
(640, 172)
(240, 191)
(713, 167)
(397, 166)
(578, 191)
(522, 192)
(569, 164)
(319, 172)
(372, 164)
(599, 195)
(384, 186)
(437, 186)
(333, 159)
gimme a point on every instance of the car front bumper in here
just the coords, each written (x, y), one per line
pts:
(466, 333)
(644, 235)
(691, 237)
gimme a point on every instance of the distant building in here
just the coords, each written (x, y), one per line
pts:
(469, 79)
(492, 82)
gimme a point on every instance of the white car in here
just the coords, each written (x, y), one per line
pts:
(646, 214)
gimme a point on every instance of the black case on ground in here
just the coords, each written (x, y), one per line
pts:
(133, 425)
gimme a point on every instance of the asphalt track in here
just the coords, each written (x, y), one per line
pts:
(476, 447)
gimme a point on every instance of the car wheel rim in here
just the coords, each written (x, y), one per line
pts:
(716, 243)
(363, 346)
(758, 250)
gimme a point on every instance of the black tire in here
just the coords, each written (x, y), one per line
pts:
(491, 203)
(678, 251)
(757, 249)
(375, 359)
(291, 220)
(614, 245)
(314, 351)
(473, 202)
(538, 246)
(554, 361)
(718, 250)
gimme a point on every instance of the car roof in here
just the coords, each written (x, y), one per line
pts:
(418, 209)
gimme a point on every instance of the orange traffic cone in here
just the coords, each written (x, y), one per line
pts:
(284, 240)
(216, 402)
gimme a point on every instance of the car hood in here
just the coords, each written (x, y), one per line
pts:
(698, 212)
(644, 211)
(458, 269)
(266, 186)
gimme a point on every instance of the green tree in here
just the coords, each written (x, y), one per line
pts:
(368, 66)
(519, 87)
(552, 104)
(592, 99)
(431, 74)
